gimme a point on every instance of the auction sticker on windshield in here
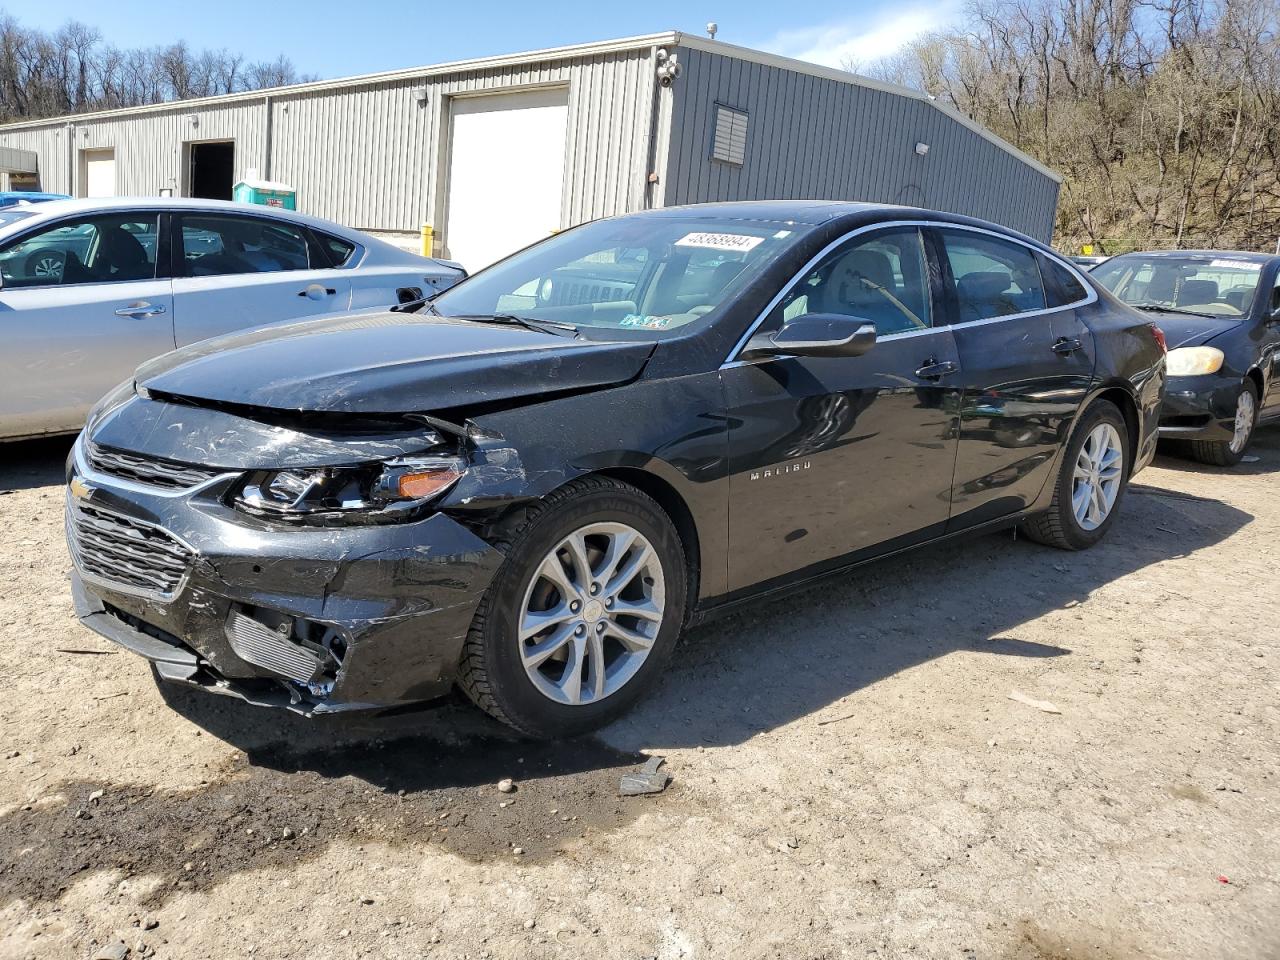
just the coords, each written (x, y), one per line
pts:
(720, 241)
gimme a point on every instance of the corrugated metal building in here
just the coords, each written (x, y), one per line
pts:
(499, 151)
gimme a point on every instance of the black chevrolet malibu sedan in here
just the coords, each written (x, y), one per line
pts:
(1220, 312)
(529, 486)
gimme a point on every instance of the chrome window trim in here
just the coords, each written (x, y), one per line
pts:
(119, 483)
(1091, 295)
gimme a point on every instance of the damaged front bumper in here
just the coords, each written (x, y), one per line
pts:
(315, 619)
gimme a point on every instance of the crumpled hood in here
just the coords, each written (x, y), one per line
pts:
(389, 363)
(1184, 330)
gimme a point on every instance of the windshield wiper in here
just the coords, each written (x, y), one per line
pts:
(554, 327)
(413, 306)
(1161, 308)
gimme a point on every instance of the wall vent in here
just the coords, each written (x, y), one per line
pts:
(730, 143)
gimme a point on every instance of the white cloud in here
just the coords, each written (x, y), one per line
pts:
(862, 40)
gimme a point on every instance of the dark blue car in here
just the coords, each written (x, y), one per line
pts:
(1220, 311)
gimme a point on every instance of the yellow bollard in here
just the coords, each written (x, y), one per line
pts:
(428, 239)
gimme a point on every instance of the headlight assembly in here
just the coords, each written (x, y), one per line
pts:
(367, 493)
(1193, 361)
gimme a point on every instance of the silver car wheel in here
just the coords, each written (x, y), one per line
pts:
(1098, 472)
(48, 268)
(591, 613)
(1245, 412)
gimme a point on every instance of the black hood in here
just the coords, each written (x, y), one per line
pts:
(389, 363)
(1185, 330)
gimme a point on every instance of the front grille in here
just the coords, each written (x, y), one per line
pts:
(260, 645)
(136, 557)
(151, 471)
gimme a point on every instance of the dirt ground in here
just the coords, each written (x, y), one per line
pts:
(851, 777)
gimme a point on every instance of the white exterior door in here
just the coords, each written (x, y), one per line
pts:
(506, 173)
(99, 173)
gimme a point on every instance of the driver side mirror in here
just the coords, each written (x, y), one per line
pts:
(815, 335)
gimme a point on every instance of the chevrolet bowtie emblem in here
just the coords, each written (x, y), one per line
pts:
(81, 490)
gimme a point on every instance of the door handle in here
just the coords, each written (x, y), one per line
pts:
(933, 370)
(141, 309)
(315, 292)
(1066, 346)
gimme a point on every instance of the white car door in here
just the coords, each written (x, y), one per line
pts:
(236, 271)
(80, 307)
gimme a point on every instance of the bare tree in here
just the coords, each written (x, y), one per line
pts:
(1162, 115)
(71, 70)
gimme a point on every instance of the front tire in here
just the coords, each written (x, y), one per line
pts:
(1228, 453)
(583, 614)
(1090, 484)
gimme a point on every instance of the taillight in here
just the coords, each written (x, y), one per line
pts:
(1159, 335)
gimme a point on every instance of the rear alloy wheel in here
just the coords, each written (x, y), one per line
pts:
(1228, 453)
(583, 613)
(1090, 484)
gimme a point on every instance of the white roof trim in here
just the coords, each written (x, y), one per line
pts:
(669, 38)
(844, 76)
(391, 76)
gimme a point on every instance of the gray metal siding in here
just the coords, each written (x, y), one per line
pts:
(811, 137)
(369, 155)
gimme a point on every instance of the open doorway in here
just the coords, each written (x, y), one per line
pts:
(210, 170)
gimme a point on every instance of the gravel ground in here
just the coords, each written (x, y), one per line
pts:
(851, 775)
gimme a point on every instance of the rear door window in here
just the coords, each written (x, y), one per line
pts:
(216, 245)
(992, 277)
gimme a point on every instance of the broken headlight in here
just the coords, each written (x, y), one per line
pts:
(368, 493)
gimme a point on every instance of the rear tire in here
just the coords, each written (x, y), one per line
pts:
(1228, 453)
(593, 659)
(1076, 520)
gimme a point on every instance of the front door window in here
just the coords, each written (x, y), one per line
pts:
(115, 248)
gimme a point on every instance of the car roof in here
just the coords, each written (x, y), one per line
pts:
(50, 209)
(1245, 255)
(795, 211)
(817, 213)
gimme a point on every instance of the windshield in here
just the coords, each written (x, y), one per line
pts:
(1218, 286)
(649, 276)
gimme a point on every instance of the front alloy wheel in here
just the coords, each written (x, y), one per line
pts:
(1227, 453)
(583, 613)
(591, 613)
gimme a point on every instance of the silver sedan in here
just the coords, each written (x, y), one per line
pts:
(91, 288)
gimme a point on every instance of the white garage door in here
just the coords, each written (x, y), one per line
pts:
(505, 174)
(99, 173)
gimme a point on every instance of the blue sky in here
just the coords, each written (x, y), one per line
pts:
(325, 37)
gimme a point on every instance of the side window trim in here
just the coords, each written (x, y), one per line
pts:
(925, 225)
